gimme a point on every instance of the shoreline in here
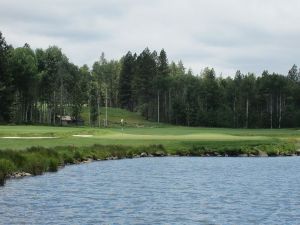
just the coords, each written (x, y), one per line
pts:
(158, 154)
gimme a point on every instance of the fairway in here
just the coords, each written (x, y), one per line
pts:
(171, 137)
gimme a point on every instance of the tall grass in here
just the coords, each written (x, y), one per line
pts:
(6, 167)
(37, 160)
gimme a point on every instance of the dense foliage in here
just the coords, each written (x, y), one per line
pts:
(38, 86)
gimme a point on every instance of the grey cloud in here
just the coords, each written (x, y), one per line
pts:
(227, 35)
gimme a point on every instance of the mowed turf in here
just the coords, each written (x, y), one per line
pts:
(171, 137)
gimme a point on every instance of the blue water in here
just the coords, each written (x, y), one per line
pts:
(168, 190)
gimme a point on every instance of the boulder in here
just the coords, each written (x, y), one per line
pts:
(262, 154)
(20, 175)
(159, 153)
(112, 158)
(144, 154)
(87, 161)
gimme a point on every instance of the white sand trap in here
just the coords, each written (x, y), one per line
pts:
(28, 137)
(82, 135)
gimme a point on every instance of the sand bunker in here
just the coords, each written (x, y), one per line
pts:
(28, 137)
(82, 135)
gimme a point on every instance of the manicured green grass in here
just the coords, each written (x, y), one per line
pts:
(32, 154)
(171, 137)
(36, 156)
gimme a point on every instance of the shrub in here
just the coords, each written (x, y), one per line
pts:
(15, 156)
(35, 164)
(67, 158)
(6, 168)
(78, 156)
(53, 165)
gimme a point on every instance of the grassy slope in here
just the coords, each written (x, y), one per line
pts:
(132, 119)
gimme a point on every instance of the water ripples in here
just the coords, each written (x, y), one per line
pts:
(168, 190)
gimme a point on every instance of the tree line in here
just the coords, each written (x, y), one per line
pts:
(40, 86)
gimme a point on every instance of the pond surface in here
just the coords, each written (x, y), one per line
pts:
(168, 190)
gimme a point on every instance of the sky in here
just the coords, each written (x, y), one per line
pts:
(228, 35)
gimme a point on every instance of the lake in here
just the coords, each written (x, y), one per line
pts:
(169, 190)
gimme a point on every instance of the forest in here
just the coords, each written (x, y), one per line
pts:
(39, 86)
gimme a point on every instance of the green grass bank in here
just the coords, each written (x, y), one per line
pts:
(34, 150)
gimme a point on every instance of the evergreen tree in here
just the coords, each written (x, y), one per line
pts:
(125, 82)
(293, 73)
(143, 82)
(161, 85)
(6, 82)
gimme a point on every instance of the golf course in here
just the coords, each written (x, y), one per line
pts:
(33, 149)
(171, 137)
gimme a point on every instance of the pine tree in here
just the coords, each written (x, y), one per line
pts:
(162, 85)
(125, 82)
(143, 82)
(6, 82)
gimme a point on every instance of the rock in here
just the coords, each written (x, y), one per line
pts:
(243, 155)
(87, 161)
(20, 175)
(159, 153)
(298, 152)
(111, 158)
(16, 175)
(144, 154)
(251, 155)
(26, 174)
(262, 154)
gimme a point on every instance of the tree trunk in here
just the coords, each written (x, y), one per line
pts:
(157, 106)
(271, 112)
(54, 108)
(31, 109)
(98, 108)
(247, 111)
(280, 110)
(234, 112)
(106, 107)
(89, 111)
(61, 102)
(165, 107)
(169, 111)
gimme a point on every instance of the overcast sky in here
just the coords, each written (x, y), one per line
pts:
(250, 35)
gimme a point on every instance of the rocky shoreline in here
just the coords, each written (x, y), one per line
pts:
(22, 174)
